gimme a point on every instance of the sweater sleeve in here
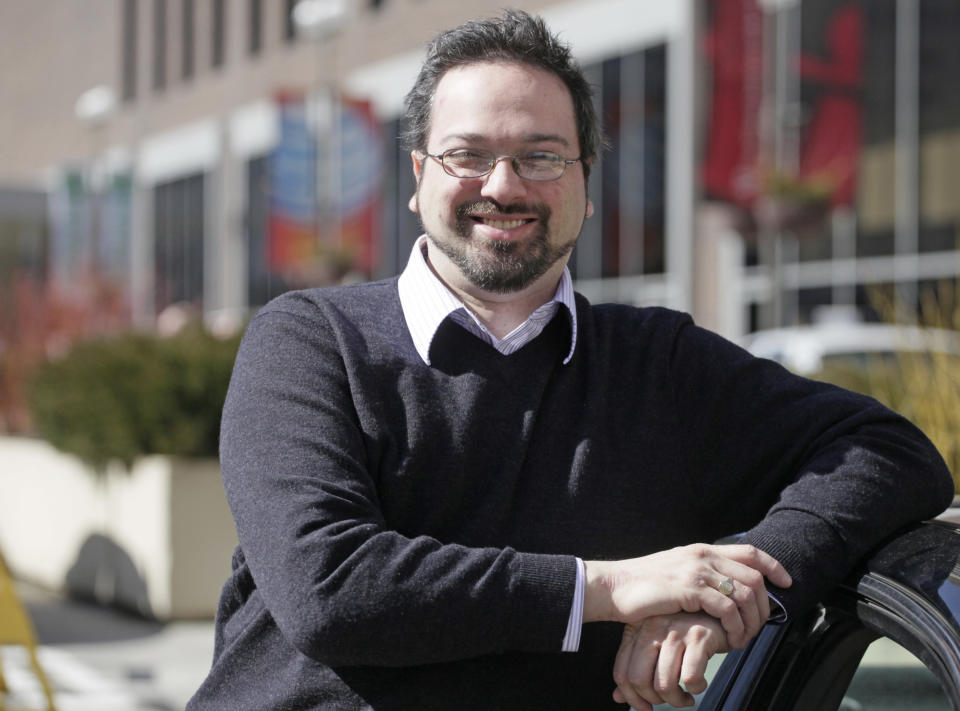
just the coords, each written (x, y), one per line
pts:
(815, 475)
(341, 586)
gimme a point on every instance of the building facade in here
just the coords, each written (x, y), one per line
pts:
(766, 157)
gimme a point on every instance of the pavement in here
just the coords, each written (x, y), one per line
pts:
(101, 659)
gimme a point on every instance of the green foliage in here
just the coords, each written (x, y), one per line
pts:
(134, 394)
(923, 387)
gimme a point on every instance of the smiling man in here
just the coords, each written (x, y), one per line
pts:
(508, 221)
(467, 487)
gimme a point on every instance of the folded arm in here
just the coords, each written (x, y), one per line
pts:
(341, 584)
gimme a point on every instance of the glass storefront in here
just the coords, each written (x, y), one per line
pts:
(857, 125)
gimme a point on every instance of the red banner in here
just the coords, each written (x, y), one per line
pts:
(735, 46)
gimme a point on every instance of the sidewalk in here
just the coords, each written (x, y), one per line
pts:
(105, 660)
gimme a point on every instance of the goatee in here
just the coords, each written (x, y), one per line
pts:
(501, 266)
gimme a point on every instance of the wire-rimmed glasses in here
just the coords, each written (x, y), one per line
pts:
(540, 166)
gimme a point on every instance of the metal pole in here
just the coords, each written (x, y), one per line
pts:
(907, 145)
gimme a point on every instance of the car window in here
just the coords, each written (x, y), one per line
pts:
(889, 678)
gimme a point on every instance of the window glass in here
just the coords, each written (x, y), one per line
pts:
(217, 29)
(255, 26)
(186, 48)
(632, 172)
(178, 248)
(262, 282)
(129, 66)
(159, 44)
(889, 678)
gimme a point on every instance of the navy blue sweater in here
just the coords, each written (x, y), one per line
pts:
(407, 532)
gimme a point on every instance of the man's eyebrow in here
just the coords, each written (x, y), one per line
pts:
(546, 138)
(477, 138)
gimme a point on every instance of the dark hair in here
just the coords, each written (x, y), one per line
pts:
(514, 37)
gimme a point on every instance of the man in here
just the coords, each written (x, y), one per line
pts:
(469, 488)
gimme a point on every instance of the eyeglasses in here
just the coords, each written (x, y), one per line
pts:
(541, 166)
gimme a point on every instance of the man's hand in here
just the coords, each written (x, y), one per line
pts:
(656, 656)
(685, 580)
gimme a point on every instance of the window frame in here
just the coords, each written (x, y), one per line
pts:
(809, 662)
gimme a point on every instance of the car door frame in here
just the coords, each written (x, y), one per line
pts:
(809, 662)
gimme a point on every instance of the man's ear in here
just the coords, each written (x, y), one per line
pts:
(589, 211)
(417, 159)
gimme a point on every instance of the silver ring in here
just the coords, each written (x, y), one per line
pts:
(726, 587)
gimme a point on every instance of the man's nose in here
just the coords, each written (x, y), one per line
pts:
(503, 184)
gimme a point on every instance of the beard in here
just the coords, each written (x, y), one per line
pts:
(501, 266)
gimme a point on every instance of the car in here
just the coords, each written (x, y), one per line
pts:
(887, 638)
(811, 349)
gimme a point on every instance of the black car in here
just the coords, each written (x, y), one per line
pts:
(888, 638)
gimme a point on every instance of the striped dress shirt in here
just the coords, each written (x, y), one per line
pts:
(427, 302)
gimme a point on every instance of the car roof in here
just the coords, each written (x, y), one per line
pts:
(924, 559)
(803, 348)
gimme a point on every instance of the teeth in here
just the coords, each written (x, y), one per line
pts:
(503, 224)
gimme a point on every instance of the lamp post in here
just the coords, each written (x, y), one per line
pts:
(319, 21)
(93, 109)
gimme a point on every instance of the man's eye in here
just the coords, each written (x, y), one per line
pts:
(466, 155)
(540, 157)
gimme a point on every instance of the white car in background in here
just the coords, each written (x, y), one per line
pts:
(809, 349)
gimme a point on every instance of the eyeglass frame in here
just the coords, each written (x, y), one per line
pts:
(495, 158)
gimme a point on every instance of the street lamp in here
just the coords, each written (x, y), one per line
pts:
(93, 109)
(95, 105)
(319, 21)
(316, 19)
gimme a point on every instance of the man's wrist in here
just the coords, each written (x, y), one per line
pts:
(597, 598)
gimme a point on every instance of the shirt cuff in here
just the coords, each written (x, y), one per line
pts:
(571, 640)
(778, 613)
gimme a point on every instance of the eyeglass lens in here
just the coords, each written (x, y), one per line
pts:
(539, 165)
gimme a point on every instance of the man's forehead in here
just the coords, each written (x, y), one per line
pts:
(521, 73)
(467, 97)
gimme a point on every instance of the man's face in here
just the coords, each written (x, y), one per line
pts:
(502, 232)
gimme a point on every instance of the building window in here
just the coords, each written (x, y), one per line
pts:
(187, 46)
(159, 44)
(217, 33)
(178, 228)
(627, 183)
(400, 226)
(128, 71)
(255, 35)
(289, 27)
(263, 283)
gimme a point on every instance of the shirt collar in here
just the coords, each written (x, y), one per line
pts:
(426, 301)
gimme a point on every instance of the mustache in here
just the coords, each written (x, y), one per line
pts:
(490, 207)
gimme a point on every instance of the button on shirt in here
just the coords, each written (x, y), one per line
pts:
(427, 302)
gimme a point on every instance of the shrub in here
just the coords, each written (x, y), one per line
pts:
(38, 320)
(924, 387)
(134, 394)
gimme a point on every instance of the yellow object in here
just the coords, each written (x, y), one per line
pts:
(16, 629)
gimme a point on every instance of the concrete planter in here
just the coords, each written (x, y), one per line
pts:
(157, 539)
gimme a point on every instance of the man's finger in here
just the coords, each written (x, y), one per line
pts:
(753, 605)
(643, 665)
(629, 655)
(721, 607)
(694, 667)
(765, 563)
(666, 676)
